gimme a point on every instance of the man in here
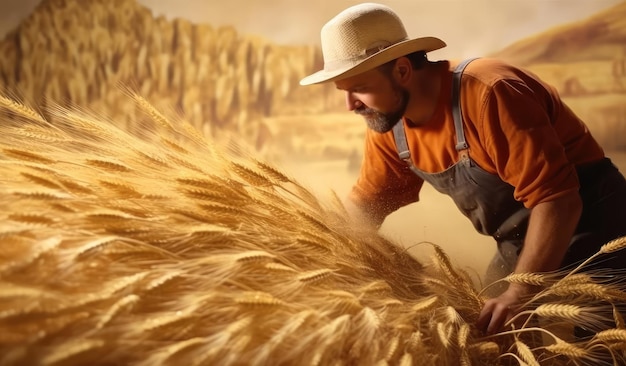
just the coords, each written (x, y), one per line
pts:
(513, 157)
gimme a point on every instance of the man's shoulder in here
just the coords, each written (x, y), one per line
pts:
(490, 71)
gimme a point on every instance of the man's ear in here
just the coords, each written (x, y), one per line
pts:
(403, 70)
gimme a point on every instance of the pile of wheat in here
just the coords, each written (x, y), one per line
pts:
(79, 51)
(156, 247)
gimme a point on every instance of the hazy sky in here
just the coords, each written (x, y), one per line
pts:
(470, 27)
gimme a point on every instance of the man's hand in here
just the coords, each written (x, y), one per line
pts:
(499, 310)
(550, 229)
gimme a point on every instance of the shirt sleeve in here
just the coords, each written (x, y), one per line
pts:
(523, 144)
(385, 183)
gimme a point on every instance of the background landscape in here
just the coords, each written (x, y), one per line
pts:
(232, 70)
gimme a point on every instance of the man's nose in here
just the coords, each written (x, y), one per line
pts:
(352, 103)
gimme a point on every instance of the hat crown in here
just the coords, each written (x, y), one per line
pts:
(358, 32)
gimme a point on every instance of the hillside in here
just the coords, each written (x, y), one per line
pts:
(586, 62)
(600, 37)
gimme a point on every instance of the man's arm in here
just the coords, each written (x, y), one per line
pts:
(550, 229)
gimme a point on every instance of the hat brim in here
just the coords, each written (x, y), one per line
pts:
(426, 44)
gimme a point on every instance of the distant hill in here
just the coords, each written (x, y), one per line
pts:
(600, 37)
(586, 62)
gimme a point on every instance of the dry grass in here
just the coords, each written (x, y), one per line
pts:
(158, 247)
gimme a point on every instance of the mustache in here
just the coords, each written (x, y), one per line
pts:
(364, 110)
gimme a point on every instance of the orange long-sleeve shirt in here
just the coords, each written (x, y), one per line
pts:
(516, 126)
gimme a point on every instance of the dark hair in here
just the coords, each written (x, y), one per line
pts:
(418, 60)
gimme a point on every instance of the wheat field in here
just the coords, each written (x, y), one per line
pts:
(156, 246)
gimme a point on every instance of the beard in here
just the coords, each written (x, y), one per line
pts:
(382, 122)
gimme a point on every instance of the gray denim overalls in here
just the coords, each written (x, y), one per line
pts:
(483, 197)
(490, 205)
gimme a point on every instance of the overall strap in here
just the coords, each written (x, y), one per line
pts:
(402, 146)
(398, 129)
(461, 144)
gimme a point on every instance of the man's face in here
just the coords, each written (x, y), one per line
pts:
(377, 97)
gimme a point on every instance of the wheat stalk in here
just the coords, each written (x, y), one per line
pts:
(21, 110)
(610, 247)
(156, 116)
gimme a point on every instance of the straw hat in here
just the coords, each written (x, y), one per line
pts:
(363, 37)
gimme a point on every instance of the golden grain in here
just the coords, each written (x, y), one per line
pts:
(463, 336)
(566, 349)
(146, 107)
(219, 209)
(315, 223)
(564, 311)
(406, 360)
(611, 335)
(43, 246)
(618, 318)
(160, 281)
(207, 195)
(485, 348)
(124, 302)
(614, 245)
(575, 279)
(174, 146)
(20, 109)
(315, 275)
(27, 156)
(11, 290)
(379, 287)
(442, 259)
(185, 163)
(590, 291)
(250, 176)
(444, 331)
(258, 298)
(273, 172)
(535, 279)
(165, 354)
(110, 166)
(121, 188)
(165, 320)
(314, 245)
(41, 180)
(34, 219)
(72, 348)
(154, 159)
(525, 353)
(44, 196)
